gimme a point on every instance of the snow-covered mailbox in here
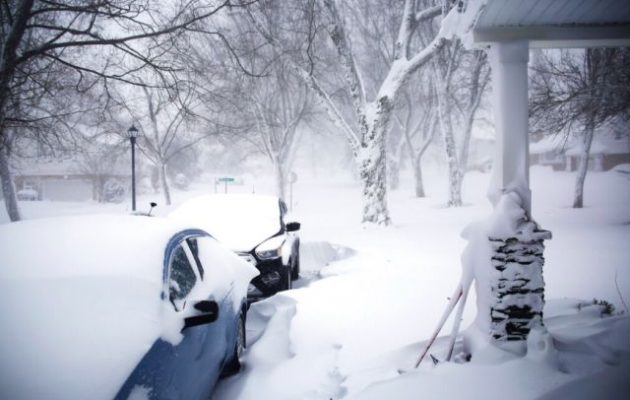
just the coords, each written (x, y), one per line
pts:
(505, 254)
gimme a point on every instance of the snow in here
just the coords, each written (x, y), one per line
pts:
(80, 301)
(57, 280)
(358, 327)
(369, 297)
(460, 22)
(239, 221)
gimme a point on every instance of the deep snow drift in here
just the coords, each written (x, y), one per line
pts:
(369, 297)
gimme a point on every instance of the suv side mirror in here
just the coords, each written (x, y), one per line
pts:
(293, 226)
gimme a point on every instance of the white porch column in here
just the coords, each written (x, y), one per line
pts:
(509, 85)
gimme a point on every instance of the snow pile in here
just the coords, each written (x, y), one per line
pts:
(460, 21)
(582, 356)
(79, 303)
(272, 369)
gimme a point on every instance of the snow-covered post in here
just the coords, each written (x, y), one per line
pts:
(515, 281)
(508, 61)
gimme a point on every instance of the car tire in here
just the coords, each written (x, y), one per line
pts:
(233, 366)
(295, 271)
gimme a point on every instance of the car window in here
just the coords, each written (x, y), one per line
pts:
(182, 278)
(194, 249)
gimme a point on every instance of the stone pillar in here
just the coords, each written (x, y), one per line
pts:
(517, 284)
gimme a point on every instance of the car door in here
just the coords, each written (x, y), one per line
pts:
(186, 364)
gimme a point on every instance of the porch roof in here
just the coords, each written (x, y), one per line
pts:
(554, 23)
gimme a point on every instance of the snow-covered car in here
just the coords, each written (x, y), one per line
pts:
(110, 306)
(27, 193)
(254, 227)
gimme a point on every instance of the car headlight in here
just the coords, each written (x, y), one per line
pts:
(271, 248)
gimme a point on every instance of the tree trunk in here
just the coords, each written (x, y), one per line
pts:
(372, 162)
(280, 179)
(578, 200)
(417, 174)
(454, 171)
(373, 174)
(164, 183)
(8, 189)
(394, 173)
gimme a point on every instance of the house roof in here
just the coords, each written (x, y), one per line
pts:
(51, 167)
(555, 23)
(47, 166)
(548, 144)
(605, 141)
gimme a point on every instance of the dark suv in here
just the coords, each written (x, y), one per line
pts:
(254, 227)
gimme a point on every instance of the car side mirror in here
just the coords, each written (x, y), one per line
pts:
(293, 226)
(209, 312)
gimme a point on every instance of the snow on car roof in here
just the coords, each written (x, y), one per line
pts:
(85, 245)
(79, 303)
(240, 221)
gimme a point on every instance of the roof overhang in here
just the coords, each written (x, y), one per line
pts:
(556, 36)
(554, 23)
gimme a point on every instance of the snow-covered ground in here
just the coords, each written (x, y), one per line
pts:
(368, 297)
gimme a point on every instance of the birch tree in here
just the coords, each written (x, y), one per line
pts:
(367, 128)
(460, 79)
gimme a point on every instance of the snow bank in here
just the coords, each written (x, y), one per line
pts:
(592, 364)
(79, 303)
(272, 368)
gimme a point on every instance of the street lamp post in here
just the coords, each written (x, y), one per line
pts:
(132, 134)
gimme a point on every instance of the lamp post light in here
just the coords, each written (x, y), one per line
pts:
(132, 134)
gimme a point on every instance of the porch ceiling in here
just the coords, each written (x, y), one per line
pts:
(555, 23)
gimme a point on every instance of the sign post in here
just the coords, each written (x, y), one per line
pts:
(225, 180)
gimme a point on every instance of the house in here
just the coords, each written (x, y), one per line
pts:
(610, 147)
(64, 179)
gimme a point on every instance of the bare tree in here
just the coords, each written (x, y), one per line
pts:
(279, 104)
(460, 79)
(96, 159)
(169, 127)
(91, 41)
(419, 126)
(371, 115)
(579, 91)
